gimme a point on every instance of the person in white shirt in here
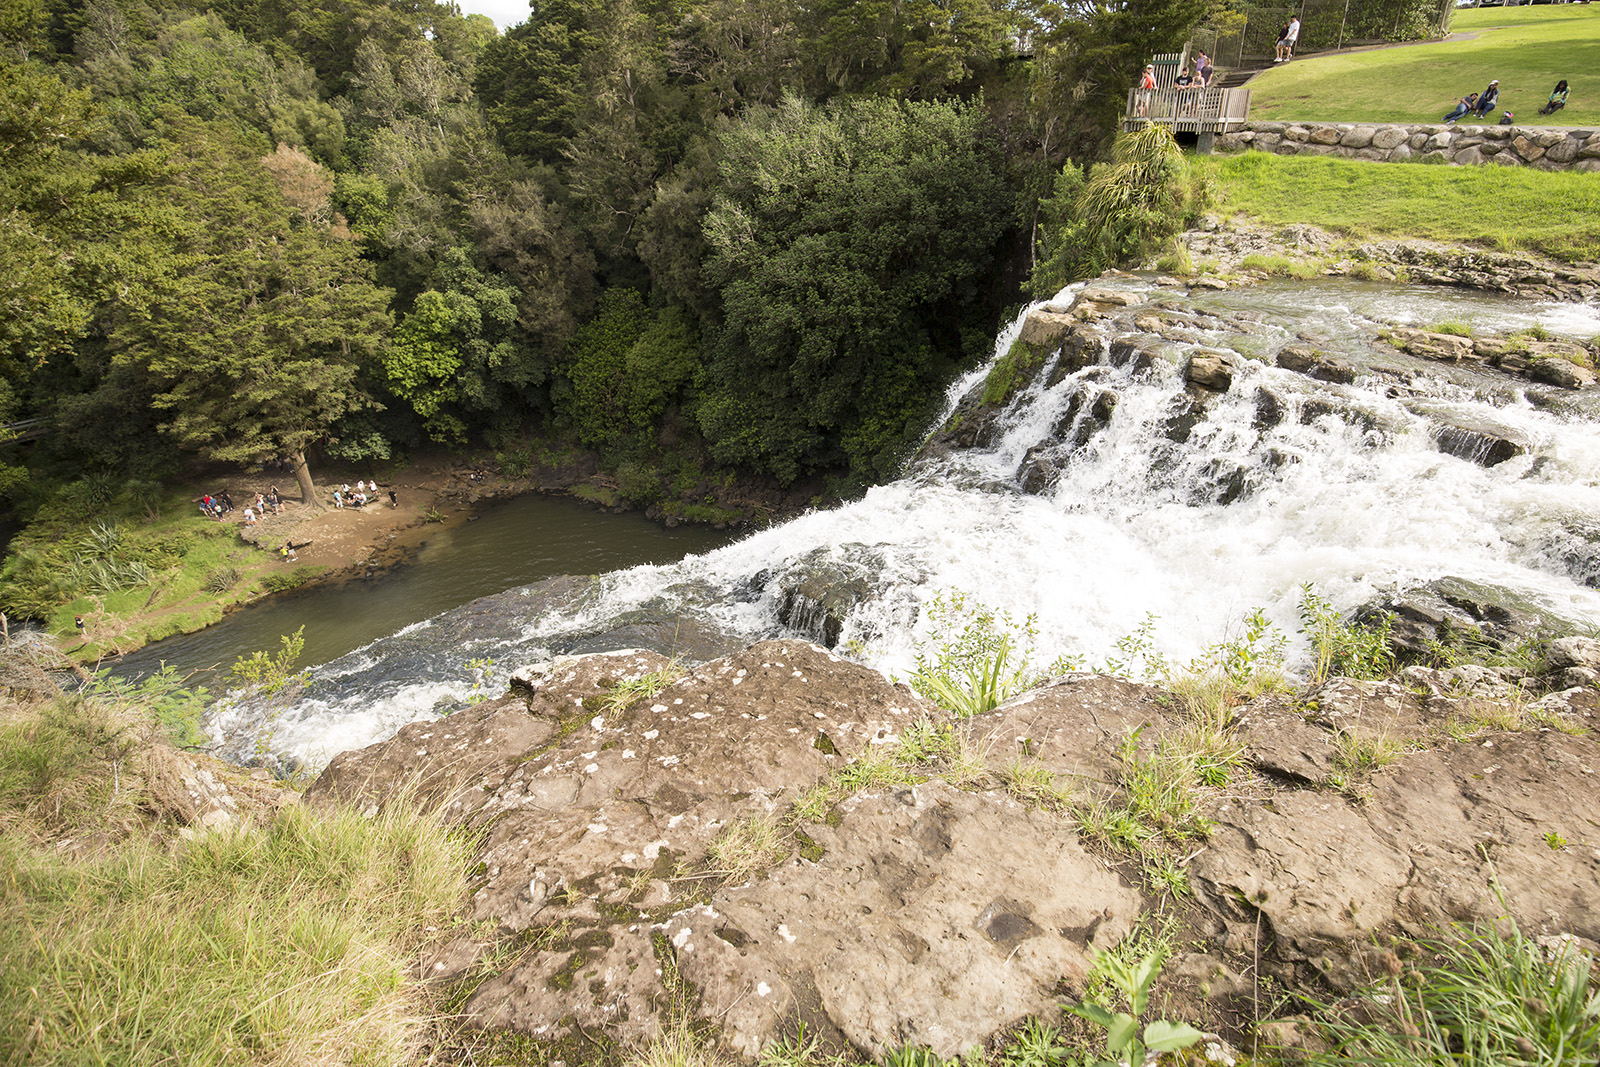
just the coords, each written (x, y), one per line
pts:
(1286, 43)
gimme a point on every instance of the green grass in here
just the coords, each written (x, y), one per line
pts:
(180, 555)
(1528, 48)
(1489, 995)
(1557, 214)
(288, 942)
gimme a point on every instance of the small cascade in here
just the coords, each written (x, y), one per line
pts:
(1191, 457)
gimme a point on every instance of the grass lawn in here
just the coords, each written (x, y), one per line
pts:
(1528, 48)
(1500, 207)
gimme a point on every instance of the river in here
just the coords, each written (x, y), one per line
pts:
(507, 543)
(1355, 494)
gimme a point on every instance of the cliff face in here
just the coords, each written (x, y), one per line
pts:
(755, 833)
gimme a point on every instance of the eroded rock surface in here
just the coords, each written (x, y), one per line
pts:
(937, 908)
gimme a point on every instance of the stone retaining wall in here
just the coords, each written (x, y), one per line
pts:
(1510, 146)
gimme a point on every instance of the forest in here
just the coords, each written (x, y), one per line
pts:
(738, 236)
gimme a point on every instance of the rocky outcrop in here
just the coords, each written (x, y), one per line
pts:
(1453, 608)
(743, 837)
(1506, 146)
(821, 588)
(1104, 331)
(1229, 245)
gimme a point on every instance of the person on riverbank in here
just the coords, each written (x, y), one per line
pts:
(1558, 99)
(274, 500)
(1487, 99)
(394, 500)
(1463, 108)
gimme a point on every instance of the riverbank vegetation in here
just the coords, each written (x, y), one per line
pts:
(1527, 48)
(1555, 214)
(134, 563)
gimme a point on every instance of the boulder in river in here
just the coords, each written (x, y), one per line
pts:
(819, 590)
(1430, 614)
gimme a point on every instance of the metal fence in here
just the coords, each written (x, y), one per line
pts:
(1250, 33)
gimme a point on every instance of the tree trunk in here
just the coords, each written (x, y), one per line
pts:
(302, 474)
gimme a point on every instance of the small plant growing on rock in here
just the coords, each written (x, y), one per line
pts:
(1348, 650)
(1032, 782)
(976, 658)
(1036, 1045)
(1452, 327)
(1126, 1045)
(482, 668)
(746, 848)
(626, 694)
(945, 747)
(270, 674)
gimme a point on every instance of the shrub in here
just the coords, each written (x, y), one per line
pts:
(1127, 210)
(975, 658)
(1350, 650)
(222, 579)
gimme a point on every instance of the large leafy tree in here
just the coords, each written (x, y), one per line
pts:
(41, 309)
(919, 49)
(850, 248)
(255, 334)
(456, 353)
(530, 80)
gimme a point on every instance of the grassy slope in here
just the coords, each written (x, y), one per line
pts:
(1527, 48)
(1500, 207)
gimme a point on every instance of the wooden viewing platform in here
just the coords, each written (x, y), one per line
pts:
(1206, 111)
(1209, 110)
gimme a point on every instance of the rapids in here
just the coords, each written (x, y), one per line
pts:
(1134, 526)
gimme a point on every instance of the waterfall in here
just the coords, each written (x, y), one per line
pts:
(1109, 489)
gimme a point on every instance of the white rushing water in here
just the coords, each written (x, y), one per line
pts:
(1132, 527)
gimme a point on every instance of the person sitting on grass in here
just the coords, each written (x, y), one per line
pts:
(1464, 107)
(1487, 99)
(1558, 99)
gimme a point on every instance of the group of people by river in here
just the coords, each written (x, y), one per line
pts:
(361, 495)
(219, 505)
(1479, 105)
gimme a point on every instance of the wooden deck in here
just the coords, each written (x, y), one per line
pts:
(1210, 110)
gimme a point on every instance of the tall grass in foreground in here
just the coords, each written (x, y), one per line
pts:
(1481, 997)
(283, 945)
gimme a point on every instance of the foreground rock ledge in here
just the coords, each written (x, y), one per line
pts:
(937, 915)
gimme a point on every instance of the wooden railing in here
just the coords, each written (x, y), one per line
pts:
(1209, 110)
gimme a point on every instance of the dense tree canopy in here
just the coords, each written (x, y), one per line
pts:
(850, 245)
(739, 236)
